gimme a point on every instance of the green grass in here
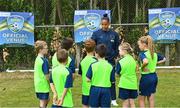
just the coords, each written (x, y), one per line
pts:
(16, 89)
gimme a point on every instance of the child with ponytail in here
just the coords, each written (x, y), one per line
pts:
(126, 67)
(149, 59)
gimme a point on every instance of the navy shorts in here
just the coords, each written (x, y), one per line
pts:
(127, 94)
(99, 97)
(42, 96)
(85, 100)
(148, 84)
(56, 106)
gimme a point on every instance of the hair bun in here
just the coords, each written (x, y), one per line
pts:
(105, 15)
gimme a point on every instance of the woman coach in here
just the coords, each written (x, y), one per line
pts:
(111, 39)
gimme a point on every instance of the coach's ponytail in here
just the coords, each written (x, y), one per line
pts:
(105, 17)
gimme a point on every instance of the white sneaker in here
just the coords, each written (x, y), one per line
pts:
(114, 103)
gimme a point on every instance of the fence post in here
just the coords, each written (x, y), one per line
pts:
(167, 45)
(1, 59)
(167, 54)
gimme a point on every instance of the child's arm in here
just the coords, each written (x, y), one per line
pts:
(60, 101)
(45, 68)
(144, 61)
(161, 59)
(54, 92)
(72, 67)
(53, 89)
(89, 74)
(112, 77)
(80, 70)
(118, 69)
(47, 77)
(144, 64)
(68, 84)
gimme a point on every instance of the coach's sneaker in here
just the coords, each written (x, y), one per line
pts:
(114, 103)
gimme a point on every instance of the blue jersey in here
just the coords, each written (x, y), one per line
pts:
(143, 56)
(111, 40)
(45, 66)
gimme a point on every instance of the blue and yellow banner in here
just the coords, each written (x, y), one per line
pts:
(86, 22)
(164, 24)
(16, 28)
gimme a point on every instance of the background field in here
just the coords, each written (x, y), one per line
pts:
(16, 89)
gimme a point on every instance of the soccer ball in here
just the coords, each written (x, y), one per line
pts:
(15, 26)
(167, 22)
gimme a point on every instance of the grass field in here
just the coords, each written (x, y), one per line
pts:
(16, 89)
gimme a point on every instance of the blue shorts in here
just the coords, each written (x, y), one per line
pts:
(42, 96)
(127, 94)
(56, 106)
(85, 100)
(99, 97)
(148, 84)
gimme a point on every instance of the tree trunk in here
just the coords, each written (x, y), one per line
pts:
(168, 3)
(119, 12)
(54, 12)
(107, 4)
(95, 4)
(59, 11)
(177, 45)
(173, 3)
(143, 9)
(77, 5)
(136, 8)
(90, 4)
(44, 9)
(127, 10)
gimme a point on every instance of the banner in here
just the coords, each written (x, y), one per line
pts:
(86, 22)
(16, 28)
(164, 24)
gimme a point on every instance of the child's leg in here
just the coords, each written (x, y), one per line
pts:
(85, 106)
(94, 97)
(131, 102)
(151, 101)
(142, 101)
(43, 103)
(125, 103)
(47, 101)
(85, 101)
(105, 98)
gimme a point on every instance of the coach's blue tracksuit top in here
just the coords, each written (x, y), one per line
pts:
(111, 40)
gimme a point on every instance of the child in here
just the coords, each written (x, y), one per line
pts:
(41, 74)
(149, 59)
(55, 46)
(83, 68)
(126, 67)
(100, 74)
(62, 80)
(65, 44)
